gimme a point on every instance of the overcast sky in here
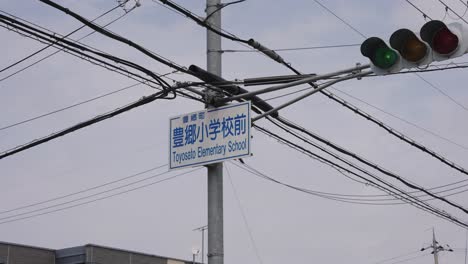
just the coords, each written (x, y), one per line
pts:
(286, 225)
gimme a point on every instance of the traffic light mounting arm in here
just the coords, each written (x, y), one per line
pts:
(356, 69)
(321, 87)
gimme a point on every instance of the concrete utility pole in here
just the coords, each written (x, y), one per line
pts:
(436, 248)
(215, 171)
(202, 229)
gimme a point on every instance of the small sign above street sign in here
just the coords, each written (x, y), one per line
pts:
(209, 136)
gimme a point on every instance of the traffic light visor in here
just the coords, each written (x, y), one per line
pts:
(379, 53)
(439, 37)
(408, 45)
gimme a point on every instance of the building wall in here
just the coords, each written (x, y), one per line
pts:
(16, 254)
(102, 255)
(89, 254)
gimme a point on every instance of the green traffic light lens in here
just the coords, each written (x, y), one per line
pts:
(385, 57)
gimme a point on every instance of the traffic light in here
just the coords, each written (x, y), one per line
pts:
(436, 42)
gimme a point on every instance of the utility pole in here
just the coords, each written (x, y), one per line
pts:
(436, 248)
(202, 229)
(215, 171)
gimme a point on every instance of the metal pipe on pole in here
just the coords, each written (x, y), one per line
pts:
(318, 89)
(294, 83)
(215, 171)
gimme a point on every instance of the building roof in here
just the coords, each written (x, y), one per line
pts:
(135, 252)
(26, 246)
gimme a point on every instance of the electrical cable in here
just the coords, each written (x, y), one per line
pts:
(384, 126)
(298, 48)
(354, 166)
(286, 129)
(98, 199)
(73, 105)
(453, 11)
(395, 132)
(403, 120)
(223, 6)
(465, 4)
(81, 191)
(412, 202)
(368, 116)
(368, 163)
(67, 107)
(84, 197)
(244, 217)
(68, 44)
(114, 36)
(95, 61)
(339, 18)
(442, 92)
(420, 11)
(143, 101)
(52, 54)
(397, 257)
(425, 80)
(363, 201)
(51, 44)
(413, 258)
(380, 110)
(199, 21)
(251, 42)
(261, 175)
(13, 23)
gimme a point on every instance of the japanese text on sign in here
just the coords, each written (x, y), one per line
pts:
(210, 136)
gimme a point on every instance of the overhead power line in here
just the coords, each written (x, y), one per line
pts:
(395, 191)
(430, 132)
(250, 42)
(51, 44)
(143, 101)
(420, 11)
(77, 47)
(389, 188)
(34, 33)
(398, 257)
(115, 36)
(302, 138)
(453, 11)
(359, 111)
(97, 199)
(73, 105)
(297, 49)
(361, 199)
(68, 107)
(80, 191)
(339, 18)
(368, 163)
(244, 217)
(383, 125)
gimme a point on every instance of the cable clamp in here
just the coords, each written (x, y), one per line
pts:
(358, 70)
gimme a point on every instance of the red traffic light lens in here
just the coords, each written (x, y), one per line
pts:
(444, 41)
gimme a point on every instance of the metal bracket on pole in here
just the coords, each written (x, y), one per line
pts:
(318, 89)
(358, 70)
(248, 95)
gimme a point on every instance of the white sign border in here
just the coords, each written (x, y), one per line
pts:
(201, 163)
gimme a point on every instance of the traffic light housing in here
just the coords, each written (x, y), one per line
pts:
(436, 42)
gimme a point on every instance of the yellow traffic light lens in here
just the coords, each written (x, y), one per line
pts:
(414, 50)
